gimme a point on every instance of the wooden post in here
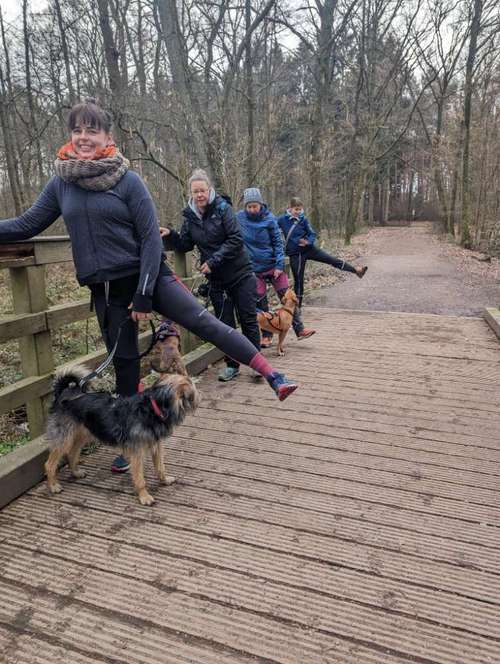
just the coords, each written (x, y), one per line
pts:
(29, 296)
(183, 269)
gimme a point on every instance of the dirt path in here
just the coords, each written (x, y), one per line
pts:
(411, 269)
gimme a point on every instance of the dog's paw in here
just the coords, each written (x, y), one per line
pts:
(79, 473)
(55, 488)
(168, 479)
(146, 499)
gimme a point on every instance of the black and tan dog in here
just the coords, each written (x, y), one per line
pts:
(136, 424)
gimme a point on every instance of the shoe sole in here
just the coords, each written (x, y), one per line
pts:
(118, 471)
(306, 336)
(226, 380)
(284, 391)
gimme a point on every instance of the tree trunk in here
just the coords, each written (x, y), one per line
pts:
(65, 51)
(323, 90)
(466, 239)
(29, 94)
(250, 97)
(195, 130)
(112, 55)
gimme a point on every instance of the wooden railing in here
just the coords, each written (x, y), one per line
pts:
(34, 322)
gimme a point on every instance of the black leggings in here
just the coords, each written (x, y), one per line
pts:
(242, 298)
(298, 265)
(171, 299)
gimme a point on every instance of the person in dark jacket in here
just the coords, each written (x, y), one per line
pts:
(262, 238)
(299, 239)
(118, 251)
(210, 226)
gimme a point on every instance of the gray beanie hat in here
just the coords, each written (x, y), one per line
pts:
(252, 195)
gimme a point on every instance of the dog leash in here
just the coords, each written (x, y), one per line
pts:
(105, 364)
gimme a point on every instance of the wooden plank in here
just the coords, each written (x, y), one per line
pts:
(16, 262)
(29, 296)
(24, 390)
(63, 314)
(13, 327)
(492, 317)
(58, 251)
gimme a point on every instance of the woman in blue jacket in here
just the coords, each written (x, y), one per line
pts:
(118, 252)
(299, 238)
(262, 238)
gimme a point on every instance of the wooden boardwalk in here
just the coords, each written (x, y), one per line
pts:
(357, 522)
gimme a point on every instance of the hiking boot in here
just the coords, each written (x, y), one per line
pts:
(120, 464)
(305, 333)
(281, 385)
(361, 271)
(228, 373)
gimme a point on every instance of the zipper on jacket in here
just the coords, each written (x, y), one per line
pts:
(145, 284)
(91, 235)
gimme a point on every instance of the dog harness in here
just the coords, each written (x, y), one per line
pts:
(269, 316)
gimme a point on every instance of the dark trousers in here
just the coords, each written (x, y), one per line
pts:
(240, 299)
(312, 253)
(172, 300)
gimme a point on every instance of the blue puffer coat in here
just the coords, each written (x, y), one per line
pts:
(299, 228)
(262, 238)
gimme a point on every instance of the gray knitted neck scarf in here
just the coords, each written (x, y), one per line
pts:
(93, 174)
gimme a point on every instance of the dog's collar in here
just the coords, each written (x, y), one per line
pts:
(287, 310)
(156, 408)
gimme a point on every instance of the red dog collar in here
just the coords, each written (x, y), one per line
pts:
(156, 409)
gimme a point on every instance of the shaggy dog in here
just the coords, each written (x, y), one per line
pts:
(135, 424)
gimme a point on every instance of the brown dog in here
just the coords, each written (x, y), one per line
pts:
(136, 424)
(279, 321)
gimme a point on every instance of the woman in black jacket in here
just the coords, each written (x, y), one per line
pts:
(209, 225)
(117, 250)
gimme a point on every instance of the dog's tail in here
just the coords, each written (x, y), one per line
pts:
(67, 378)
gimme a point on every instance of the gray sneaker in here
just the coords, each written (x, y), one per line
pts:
(228, 373)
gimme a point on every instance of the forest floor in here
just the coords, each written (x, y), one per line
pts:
(413, 269)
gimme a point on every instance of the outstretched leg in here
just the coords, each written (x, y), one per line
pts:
(320, 256)
(173, 300)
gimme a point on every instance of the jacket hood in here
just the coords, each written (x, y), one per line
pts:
(192, 204)
(291, 216)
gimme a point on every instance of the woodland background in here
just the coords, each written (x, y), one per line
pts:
(370, 110)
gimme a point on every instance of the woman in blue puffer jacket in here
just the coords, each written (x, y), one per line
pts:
(262, 238)
(299, 246)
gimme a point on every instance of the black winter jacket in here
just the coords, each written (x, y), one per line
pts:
(218, 237)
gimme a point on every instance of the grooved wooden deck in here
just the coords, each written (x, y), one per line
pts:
(357, 522)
